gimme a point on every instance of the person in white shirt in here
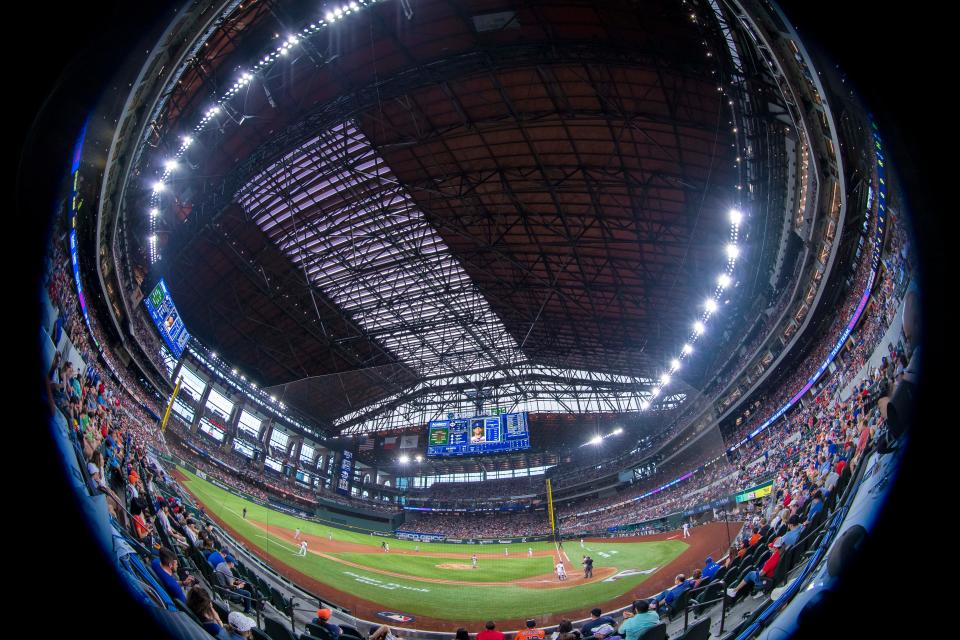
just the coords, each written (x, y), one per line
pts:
(303, 548)
(530, 552)
(686, 530)
(561, 571)
(296, 534)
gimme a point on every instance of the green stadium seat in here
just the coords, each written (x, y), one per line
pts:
(318, 632)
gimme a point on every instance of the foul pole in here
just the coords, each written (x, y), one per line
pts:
(553, 525)
(173, 396)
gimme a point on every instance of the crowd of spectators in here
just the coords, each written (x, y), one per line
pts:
(464, 525)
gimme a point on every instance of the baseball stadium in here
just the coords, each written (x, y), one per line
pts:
(443, 319)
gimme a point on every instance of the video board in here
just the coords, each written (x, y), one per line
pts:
(167, 319)
(478, 435)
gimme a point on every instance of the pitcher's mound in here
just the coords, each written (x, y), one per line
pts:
(454, 565)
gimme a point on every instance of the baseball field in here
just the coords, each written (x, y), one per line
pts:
(437, 584)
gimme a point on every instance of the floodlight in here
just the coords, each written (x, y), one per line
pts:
(736, 216)
(404, 459)
(724, 280)
(698, 327)
(711, 305)
(687, 349)
(733, 251)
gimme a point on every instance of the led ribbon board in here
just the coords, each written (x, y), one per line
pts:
(167, 319)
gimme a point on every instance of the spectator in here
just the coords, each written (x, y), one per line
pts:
(635, 622)
(165, 567)
(490, 632)
(241, 627)
(323, 620)
(763, 576)
(199, 602)
(795, 529)
(530, 632)
(710, 568)
(596, 620)
(235, 586)
(461, 634)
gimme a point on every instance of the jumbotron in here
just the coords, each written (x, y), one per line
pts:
(446, 318)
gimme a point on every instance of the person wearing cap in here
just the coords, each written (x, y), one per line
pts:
(763, 576)
(237, 586)
(530, 632)
(710, 568)
(638, 619)
(323, 620)
(240, 626)
(597, 619)
(165, 568)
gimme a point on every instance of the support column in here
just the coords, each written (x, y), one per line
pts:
(201, 408)
(233, 421)
(266, 430)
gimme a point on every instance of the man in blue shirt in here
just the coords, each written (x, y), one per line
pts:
(710, 568)
(795, 529)
(165, 568)
(667, 598)
(816, 505)
(215, 558)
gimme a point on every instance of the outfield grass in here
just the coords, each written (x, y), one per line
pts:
(410, 595)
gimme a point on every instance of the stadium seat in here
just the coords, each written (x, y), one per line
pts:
(318, 632)
(700, 630)
(657, 632)
(222, 608)
(307, 636)
(712, 592)
(679, 605)
(350, 631)
(278, 629)
(260, 635)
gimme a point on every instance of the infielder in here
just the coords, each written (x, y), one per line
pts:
(473, 560)
(686, 530)
(303, 548)
(296, 534)
(530, 552)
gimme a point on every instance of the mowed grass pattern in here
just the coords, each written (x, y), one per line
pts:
(453, 601)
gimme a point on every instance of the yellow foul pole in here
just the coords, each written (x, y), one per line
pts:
(553, 528)
(166, 414)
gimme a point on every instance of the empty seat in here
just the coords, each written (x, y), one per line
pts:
(697, 631)
(278, 629)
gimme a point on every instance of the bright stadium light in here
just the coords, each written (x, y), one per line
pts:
(187, 141)
(698, 327)
(711, 305)
(329, 17)
(154, 212)
(170, 165)
(597, 439)
(674, 364)
(213, 354)
(618, 431)
(687, 349)
(665, 379)
(724, 280)
(404, 459)
(273, 398)
(233, 371)
(158, 186)
(644, 405)
(733, 251)
(419, 458)
(736, 216)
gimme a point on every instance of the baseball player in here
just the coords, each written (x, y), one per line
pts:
(530, 552)
(296, 534)
(473, 560)
(686, 530)
(506, 551)
(561, 571)
(330, 536)
(386, 547)
(416, 548)
(303, 548)
(581, 544)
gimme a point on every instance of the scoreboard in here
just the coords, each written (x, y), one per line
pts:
(478, 435)
(168, 321)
